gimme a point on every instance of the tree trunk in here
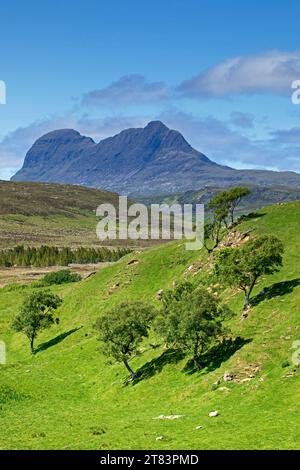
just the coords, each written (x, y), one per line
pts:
(247, 301)
(231, 216)
(216, 238)
(132, 373)
(197, 363)
(248, 294)
(195, 358)
(31, 344)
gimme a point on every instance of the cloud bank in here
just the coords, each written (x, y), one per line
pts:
(269, 73)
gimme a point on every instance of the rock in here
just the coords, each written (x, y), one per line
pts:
(228, 377)
(199, 427)
(213, 414)
(160, 294)
(191, 267)
(133, 261)
(245, 314)
(169, 417)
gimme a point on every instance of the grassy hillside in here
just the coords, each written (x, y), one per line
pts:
(52, 214)
(67, 397)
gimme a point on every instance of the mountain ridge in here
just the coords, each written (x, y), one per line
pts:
(136, 161)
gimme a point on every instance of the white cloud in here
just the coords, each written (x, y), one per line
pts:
(270, 73)
(128, 90)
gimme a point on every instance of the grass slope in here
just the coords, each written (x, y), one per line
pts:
(67, 397)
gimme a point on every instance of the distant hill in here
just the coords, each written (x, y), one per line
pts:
(144, 161)
(260, 197)
(51, 214)
(51, 199)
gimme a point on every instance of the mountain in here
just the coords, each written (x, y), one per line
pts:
(143, 161)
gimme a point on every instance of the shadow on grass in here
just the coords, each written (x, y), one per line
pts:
(250, 216)
(276, 290)
(171, 356)
(58, 339)
(215, 356)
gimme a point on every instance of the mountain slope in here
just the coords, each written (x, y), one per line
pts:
(150, 160)
(68, 397)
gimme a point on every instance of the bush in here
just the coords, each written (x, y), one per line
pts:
(285, 364)
(60, 277)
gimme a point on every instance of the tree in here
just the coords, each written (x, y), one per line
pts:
(122, 330)
(192, 321)
(234, 197)
(212, 230)
(220, 207)
(242, 267)
(36, 314)
(225, 203)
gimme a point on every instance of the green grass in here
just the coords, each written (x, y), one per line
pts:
(67, 397)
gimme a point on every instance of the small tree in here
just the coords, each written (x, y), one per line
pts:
(225, 203)
(234, 197)
(122, 330)
(213, 230)
(192, 321)
(37, 313)
(242, 267)
(220, 207)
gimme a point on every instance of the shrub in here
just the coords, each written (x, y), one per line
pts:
(60, 277)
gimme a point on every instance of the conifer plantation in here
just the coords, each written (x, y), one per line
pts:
(54, 256)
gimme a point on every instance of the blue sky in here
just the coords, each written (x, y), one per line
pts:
(220, 72)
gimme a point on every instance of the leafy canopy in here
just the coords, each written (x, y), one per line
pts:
(122, 330)
(191, 320)
(241, 267)
(36, 314)
(225, 203)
